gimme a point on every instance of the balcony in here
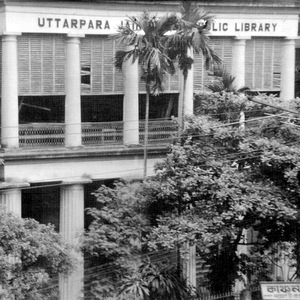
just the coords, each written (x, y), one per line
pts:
(38, 135)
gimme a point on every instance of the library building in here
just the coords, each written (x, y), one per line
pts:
(70, 121)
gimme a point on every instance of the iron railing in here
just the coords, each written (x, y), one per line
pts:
(94, 133)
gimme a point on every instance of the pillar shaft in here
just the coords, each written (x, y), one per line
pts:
(238, 62)
(189, 267)
(131, 102)
(188, 104)
(10, 201)
(71, 226)
(186, 96)
(288, 70)
(9, 93)
(73, 91)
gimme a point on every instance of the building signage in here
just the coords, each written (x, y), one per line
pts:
(280, 290)
(82, 24)
(254, 27)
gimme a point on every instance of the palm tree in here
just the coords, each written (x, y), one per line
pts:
(191, 36)
(147, 46)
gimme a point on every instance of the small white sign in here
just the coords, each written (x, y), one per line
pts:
(280, 290)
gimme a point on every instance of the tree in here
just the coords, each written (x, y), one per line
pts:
(114, 236)
(278, 161)
(191, 36)
(147, 46)
(30, 253)
(200, 198)
(216, 182)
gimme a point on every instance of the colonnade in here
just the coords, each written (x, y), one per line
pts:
(287, 86)
(9, 88)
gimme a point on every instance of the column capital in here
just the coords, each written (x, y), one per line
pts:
(287, 38)
(13, 185)
(76, 35)
(76, 181)
(238, 38)
(7, 33)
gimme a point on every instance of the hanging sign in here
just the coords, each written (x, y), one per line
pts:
(280, 290)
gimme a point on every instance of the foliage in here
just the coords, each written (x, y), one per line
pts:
(157, 282)
(114, 236)
(216, 183)
(147, 46)
(223, 81)
(226, 106)
(191, 32)
(30, 254)
(277, 158)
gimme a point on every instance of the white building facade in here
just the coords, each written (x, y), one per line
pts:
(69, 119)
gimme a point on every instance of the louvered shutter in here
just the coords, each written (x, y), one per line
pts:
(86, 61)
(47, 52)
(36, 65)
(263, 63)
(108, 68)
(174, 81)
(23, 65)
(97, 65)
(41, 64)
(198, 72)
(118, 75)
(223, 48)
(171, 83)
(98, 52)
(59, 64)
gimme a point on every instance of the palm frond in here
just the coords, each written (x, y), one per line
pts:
(192, 13)
(167, 23)
(122, 56)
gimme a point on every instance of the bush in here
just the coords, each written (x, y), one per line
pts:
(30, 253)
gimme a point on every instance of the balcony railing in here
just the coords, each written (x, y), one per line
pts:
(95, 133)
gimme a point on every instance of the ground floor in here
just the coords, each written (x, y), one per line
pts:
(56, 186)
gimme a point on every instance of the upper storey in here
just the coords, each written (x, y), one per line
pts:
(232, 18)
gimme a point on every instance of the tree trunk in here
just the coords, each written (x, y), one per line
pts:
(181, 106)
(170, 106)
(146, 130)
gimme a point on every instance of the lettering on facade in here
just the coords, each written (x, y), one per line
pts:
(130, 25)
(244, 27)
(109, 25)
(73, 23)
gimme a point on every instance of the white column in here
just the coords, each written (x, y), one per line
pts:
(9, 93)
(186, 95)
(188, 103)
(11, 201)
(131, 102)
(11, 197)
(238, 67)
(189, 267)
(73, 89)
(71, 225)
(287, 85)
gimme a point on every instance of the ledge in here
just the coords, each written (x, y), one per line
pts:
(80, 152)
